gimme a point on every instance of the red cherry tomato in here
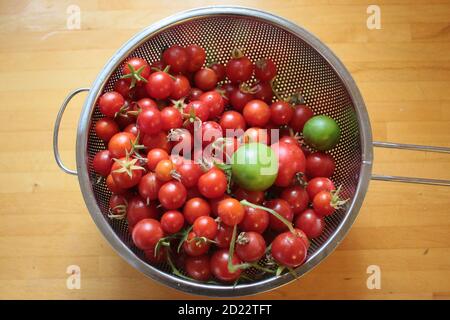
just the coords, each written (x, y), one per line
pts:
(194, 208)
(122, 86)
(213, 183)
(181, 87)
(156, 155)
(138, 209)
(302, 114)
(189, 172)
(196, 57)
(158, 140)
(239, 69)
(156, 258)
(250, 246)
(323, 203)
(199, 108)
(205, 226)
(113, 187)
(215, 102)
(146, 103)
(205, 79)
(125, 173)
(289, 249)
(172, 195)
(256, 135)
(265, 70)
(310, 223)
(291, 160)
(231, 212)
(263, 91)
(232, 120)
(171, 118)
(195, 247)
(198, 268)
(149, 186)
(102, 163)
(135, 71)
(146, 233)
(283, 208)
(281, 113)
(164, 170)
(149, 121)
(256, 113)
(214, 203)
(239, 98)
(319, 164)
(106, 128)
(110, 103)
(219, 266)
(256, 197)
(172, 221)
(297, 197)
(210, 131)
(318, 184)
(177, 58)
(194, 94)
(120, 144)
(159, 85)
(256, 220)
(219, 69)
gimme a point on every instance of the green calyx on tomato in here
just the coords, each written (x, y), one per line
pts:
(321, 132)
(254, 166)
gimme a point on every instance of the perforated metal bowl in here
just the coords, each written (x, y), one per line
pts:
(303, 61)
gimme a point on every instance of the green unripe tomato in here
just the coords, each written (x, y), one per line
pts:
(321, 132)
(254, 166)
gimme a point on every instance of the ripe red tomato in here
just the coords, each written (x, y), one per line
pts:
(281, 113)
(160, 257)
(110, 103)
(158, 140)
(289, 249)
(120, 144)
(324, 203)
(250, 246)
(132, 128)
(291, 160)
(219, 266)
(172, 221)
(219, 69)
(189, 173)
(265, 70)
(145, 104)
(239, 98)
(177, 58)
(232, 120)
(263, 91)
(297, 197)
(102, 163)
(118, 203)
(318, 184)
(319, 164)
(172, 195)
(135, 71)
(256, 220)
(171, 118)
(231, 212)
(194, 208)
(214, 203)
(138, 209)
(205, 79)
(149, 186)
(213, 183)
(215, 102)
(198, 268)
(146, 233)
(205, 226)
(194, 94)
(256, 113)
(256, 197)
(149, 121)
(223, 236)
(310, 223)
(199, 108)
(302, 114)
(255, 134)
(195, 247)
(239, 69)
(159, 85)
(105, 128)
(196, 57)
(113, 187)
(122, 86)
(181, 87)
(164, 170)
(210, 132)
(283, 208)
(156, 155)
(126, 173)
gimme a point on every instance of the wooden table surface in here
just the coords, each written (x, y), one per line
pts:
(402, 70)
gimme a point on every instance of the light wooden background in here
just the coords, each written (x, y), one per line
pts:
(403, 71)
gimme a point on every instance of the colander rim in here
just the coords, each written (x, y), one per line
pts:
(209, 289)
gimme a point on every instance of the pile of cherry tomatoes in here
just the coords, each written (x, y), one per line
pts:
(205, 202)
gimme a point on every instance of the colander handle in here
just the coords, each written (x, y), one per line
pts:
(414, 147)
(56, 130)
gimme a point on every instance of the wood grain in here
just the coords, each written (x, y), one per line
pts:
(402, 70)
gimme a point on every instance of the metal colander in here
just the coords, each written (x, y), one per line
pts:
(303, 62)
